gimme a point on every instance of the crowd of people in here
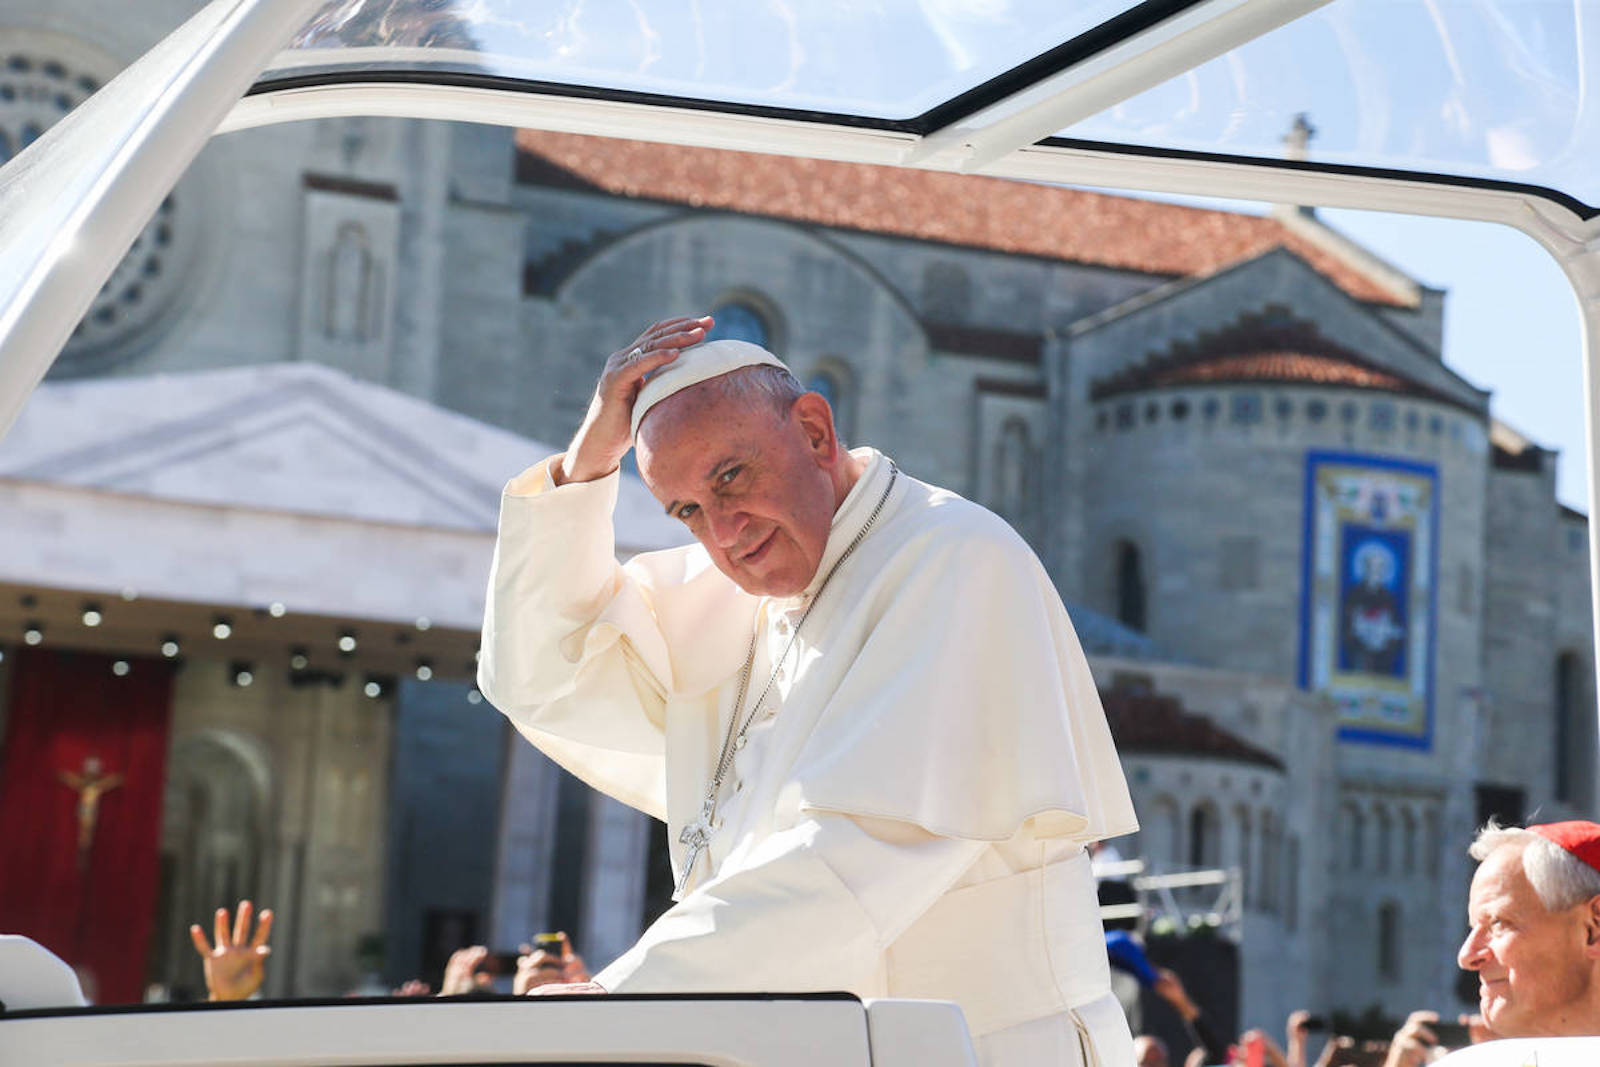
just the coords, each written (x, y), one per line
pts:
(912, 746)
(234, 961)
(1533, 941)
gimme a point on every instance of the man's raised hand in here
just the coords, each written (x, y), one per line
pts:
(604, 437)
(235, 967)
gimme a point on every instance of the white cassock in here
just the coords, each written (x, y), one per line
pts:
(909, 814)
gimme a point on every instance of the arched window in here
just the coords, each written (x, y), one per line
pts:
(1162, 835)
(1389, 941)
(1408, 841)
(834, 382)
(740, 320)
(1574, 740)
(6, 151)
(1246, 850)
(1015, 486)
(1130, 587)
(1203, 836)
(350, 298)
(1430, 843)
(1355, 826)
(1380, 822)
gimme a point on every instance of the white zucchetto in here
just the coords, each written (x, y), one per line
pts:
(696, 364)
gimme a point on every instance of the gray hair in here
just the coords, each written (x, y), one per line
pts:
(764, 385)
(770, 385)
(1559, 878)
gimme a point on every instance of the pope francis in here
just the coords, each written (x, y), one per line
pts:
(857, 703)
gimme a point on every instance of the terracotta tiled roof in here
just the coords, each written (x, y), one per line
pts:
(1268, 347)
(993, 213)
(1152, 724)
(1282, 367)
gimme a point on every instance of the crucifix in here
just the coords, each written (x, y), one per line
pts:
(697, 835)
(91, 786)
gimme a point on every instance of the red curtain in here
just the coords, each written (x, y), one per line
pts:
(97, 910)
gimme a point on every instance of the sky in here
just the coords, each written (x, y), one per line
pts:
(1511, 319)
(1511, 323)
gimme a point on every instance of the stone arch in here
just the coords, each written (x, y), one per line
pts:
(1016, 473)
(1204, 837)
(352, 286)
(629, 242)
(1354, 843)
(215, 815)
(689, 261)
(1162, 833)
(1408, 840)
(1246, 850)
(1130, 575)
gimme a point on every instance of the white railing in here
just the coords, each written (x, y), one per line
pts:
(1188, 899)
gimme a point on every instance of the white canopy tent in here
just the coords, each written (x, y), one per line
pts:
(1176, 96)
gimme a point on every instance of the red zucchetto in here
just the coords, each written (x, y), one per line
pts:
(1578, 837)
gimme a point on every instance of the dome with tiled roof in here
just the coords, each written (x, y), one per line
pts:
(1262, 349)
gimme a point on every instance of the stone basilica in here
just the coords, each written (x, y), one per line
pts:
(1336, 613)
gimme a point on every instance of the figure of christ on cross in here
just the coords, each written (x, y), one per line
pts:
(91, 786)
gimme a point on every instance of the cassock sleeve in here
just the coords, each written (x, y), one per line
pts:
(808, 909)
(572, 652)
(969, 710)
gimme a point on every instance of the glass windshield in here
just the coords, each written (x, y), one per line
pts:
(1475, 88)
(892, 60)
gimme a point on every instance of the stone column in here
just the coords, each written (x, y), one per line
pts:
(527, 842)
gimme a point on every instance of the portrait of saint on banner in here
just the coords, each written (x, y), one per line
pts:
(1367, 612)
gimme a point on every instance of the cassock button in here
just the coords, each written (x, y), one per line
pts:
(783, 626)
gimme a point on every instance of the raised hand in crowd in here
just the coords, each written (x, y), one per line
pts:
(412, 987)
(1171, 989)
(1297, 1033)
(1413, 1044)
(1271, 1054)
(236, 965)
(464, 972)
(552, 970)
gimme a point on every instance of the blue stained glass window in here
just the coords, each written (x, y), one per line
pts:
(740, 322)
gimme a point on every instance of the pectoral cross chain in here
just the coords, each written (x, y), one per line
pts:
(697, 835)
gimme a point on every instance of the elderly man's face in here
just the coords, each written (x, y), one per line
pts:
(753, 486)
(1535, 967)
